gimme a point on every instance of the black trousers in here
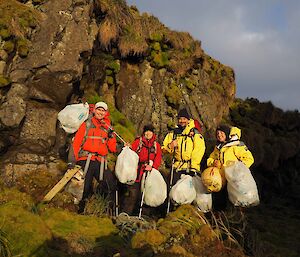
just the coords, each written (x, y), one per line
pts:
(107, 186)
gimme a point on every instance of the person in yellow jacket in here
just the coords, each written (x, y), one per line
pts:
(228, 148)
(187, 146)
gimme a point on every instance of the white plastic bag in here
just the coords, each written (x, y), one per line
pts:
(203, 198)
(241, 187)
(155, 189)
(126, 166)
(72, 116)
(183, 192)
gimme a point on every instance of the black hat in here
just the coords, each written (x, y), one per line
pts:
(225, 129)
(148, 127)
(183, 113)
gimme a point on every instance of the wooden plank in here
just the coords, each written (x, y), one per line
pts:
(60, 184)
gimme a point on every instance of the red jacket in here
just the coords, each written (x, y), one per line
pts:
(97, 140)
(147, 151)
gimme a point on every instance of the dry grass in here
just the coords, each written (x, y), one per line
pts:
(108, 33)
(4, 245)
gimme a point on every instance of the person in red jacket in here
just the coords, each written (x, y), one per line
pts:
(150, 156)
(92, 142)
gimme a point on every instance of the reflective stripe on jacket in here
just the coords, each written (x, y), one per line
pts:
(190, 150)
(231, 151)
(97, 140)
(147, 153)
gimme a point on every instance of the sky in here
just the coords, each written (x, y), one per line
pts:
(259, 39)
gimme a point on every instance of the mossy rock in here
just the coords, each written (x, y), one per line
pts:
(158, 37)
(108, 72)
(13, 197)
(160, 59)
(156, 46)
(173, 95)
(182, 221)
(114, 66)
(109, 80)
(5, 33)
(4, 81)
(149, 237)
(23, 51)
(9, 46)
(26, 232)
(82, 233)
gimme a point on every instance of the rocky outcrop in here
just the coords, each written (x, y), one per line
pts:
(78, 48)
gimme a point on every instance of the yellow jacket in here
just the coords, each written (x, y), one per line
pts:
(234, 150)
(190, 150)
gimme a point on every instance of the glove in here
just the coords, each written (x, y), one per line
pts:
(148, 168)
(110, 133)
(193, 172)
(71, 165)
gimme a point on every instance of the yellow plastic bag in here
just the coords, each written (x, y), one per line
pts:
(213, 179)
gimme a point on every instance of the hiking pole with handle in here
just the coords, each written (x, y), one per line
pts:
(143, 195)
(170, 186)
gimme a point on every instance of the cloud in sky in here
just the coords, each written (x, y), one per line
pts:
(260, 40)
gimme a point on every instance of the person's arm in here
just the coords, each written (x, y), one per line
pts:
(158, 157)
(214, 156)
(135, 144)
(244, 155)
(78, 139)
(166, 146)
(198, 152)
(112, 143)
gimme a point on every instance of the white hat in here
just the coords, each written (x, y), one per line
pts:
(101, 105)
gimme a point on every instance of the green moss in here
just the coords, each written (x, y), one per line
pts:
(160, 59)
(4, 81)
(9, 46)
(150, 237)
(23, 47)
(26, 232)
(115, 66)
(109, 80)
(13, 197)
(173, 95)
(25, 15)
(68, 225)
(108, 72)
(4, 33)
(156, 46)
(158, 37)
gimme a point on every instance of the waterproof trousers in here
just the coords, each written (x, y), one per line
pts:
(107, 187)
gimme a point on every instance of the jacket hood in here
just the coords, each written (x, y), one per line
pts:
(235, 133)
(150, 141)
(189, 126)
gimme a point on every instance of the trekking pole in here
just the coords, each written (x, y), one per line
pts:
(117, 203)
(170, 186)
(116, 134)
(143, 195)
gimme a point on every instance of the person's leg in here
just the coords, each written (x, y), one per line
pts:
(109, 187)
(88, 183)
(131, 202)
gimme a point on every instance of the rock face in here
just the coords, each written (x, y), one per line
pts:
(87, 48)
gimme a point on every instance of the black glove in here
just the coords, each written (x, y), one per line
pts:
(71, 165)
(110, 133)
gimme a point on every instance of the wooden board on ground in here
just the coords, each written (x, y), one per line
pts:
(60, 184)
